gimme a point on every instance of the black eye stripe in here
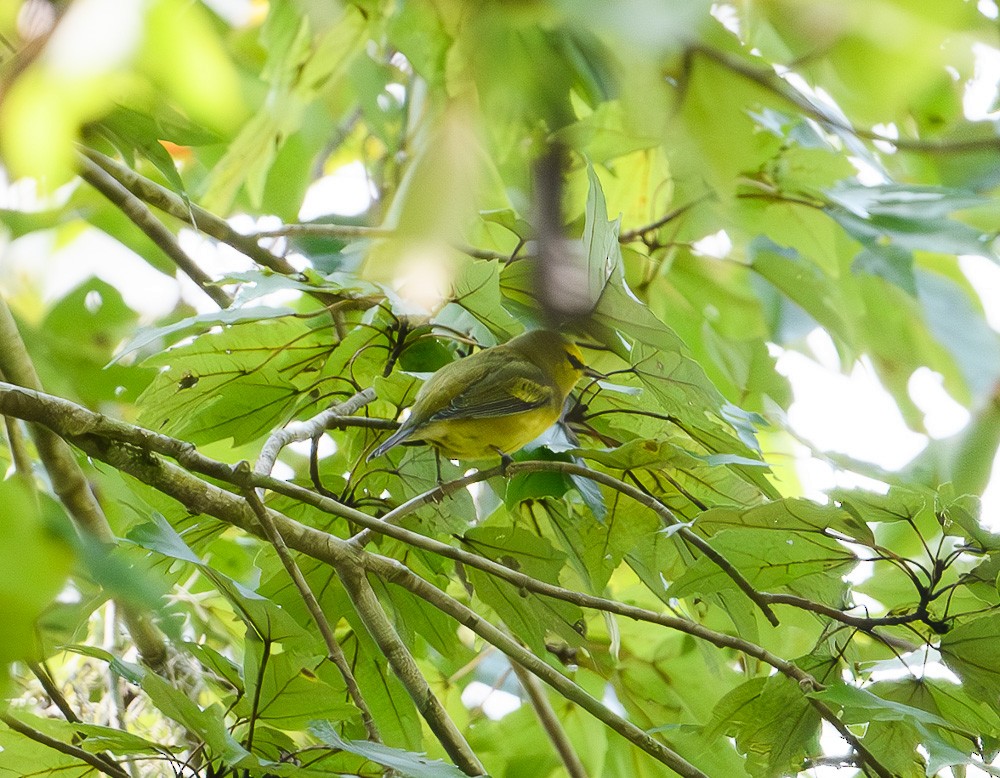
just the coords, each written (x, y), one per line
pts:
(574, 361)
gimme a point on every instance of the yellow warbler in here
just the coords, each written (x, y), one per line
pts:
(494, 401)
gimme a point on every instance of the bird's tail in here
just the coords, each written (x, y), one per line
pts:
(393, 440)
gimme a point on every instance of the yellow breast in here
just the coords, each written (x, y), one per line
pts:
(486, 437)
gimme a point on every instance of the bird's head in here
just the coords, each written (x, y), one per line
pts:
(553, 353)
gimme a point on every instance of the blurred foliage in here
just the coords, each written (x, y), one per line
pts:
(729, 178)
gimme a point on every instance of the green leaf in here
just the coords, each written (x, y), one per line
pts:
(860, 705)
(890, 262)
(969, 650)
(19, 753)
(406, 763)
(527, 615)
(209, 723)
(133, 132)
(413, 615)
(267, 620)
(773, 724)
(77, 338)
(240, 383)
(37, 549)
(804, 284)
(214, 661)
(288, 692)
(199, 324)
(796, 515)
(692, 475)
(803, 562)
(600, 239)
(100, 738)
(173, 702)
(912, 232)
(477, 290)
(594, 547)
(955, 321)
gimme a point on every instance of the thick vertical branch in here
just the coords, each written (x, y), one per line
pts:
(69, 482)
(18, 449)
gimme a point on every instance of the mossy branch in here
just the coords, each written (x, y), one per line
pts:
(117, 443)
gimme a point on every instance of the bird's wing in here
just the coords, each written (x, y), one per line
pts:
(500, 392)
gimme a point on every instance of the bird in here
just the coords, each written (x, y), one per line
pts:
(493, 401)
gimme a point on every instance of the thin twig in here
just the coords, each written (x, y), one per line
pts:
(57, 697)
(640, 232)
(94, 760)
(433, 495)
(335, 652)
(864, 623)
(361, 232)
(140, 215)
(310, 428)
(550, 722)
(771, 81)
(202, 220)
(44, 678)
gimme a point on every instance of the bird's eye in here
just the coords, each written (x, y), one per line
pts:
(576, 363)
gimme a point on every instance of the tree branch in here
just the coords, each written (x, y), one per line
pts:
(334, 651)
(369, 609)
(154, 229)
(69, 482)
(82, 426)
(202, 220)
(550, 722)
(771, 81)
(94, 760)
(310, 428)
(865, 757)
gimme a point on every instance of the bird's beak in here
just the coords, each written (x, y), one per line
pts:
(591, 373)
